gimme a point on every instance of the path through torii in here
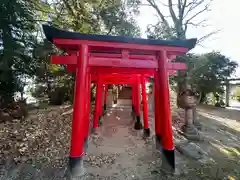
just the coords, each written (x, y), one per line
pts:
(118, 60)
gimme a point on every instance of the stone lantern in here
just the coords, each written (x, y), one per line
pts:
(187, 101)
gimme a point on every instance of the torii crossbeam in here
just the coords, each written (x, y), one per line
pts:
(99, 58)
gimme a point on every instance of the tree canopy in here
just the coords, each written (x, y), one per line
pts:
(24, 51)
(16, 41)
(209, 71)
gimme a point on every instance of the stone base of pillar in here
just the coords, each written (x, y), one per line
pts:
(146, 132)
(133, 110)
(76, 169)
(168, 161)
(85, 146)
(138, 125)
(94, 130)
(100, 120)
(198, 126)
(158, 140)
(191, 132)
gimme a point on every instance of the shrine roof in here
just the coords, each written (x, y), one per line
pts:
(55, 33)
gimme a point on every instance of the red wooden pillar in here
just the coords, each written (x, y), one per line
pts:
(165, 115)
(105, 97)
(88, 110)
(97, 102)
(145, 108)
(133, 98)
(100, 102)
(157, 111)
(78, 122)
(138, 124)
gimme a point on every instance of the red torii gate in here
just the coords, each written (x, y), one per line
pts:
(95, 56)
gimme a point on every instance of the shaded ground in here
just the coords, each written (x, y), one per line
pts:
(118, 151)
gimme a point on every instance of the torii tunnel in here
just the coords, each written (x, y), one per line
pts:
(107, 60)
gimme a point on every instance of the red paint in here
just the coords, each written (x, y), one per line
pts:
(133, 95)
(118, 82)
(105, 93)
(97, 102)
(100, 103)
(122, 63)
(77, 140)
(64, 59)
(130, 56)
(88, 104)
(73, 44)
(145, 104)
(176, 66)
(137, 91)
(118, 63)
(167, 138)
(157, 108)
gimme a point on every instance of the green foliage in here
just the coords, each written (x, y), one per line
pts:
(208, 71)
(111, 17)
(16, 40)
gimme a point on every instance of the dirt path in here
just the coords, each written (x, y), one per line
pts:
(126, 155)
(119, 152)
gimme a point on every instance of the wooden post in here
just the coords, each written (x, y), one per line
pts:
(88, 110)
(157, 111)
(133, 98)
(145, 108)
(78, 123)
(101, 103)
(97, 103)
(165, 115)
(105, 97)
(138, 124)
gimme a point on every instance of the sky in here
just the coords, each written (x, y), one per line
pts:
(224, 16)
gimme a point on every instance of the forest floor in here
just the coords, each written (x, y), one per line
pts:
(37, 147)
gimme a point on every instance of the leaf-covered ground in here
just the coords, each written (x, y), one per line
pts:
(37, 147)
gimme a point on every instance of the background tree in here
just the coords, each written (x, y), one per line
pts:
(16, 41)
(174, 25)
(209, 71)
(111, 17)
(176, 20)
(181, 14)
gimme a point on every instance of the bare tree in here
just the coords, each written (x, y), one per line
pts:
(181, 14)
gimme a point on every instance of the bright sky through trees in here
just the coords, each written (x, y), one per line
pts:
(224, 16)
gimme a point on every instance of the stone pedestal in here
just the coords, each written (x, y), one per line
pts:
(75, 169)
(196, 119)
(189, 130)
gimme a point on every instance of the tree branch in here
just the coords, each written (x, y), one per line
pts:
(170, 5)
(207, 36)
(154, 5)
(198, 13)
(197, 24)
(194, 4)
(182, 9)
